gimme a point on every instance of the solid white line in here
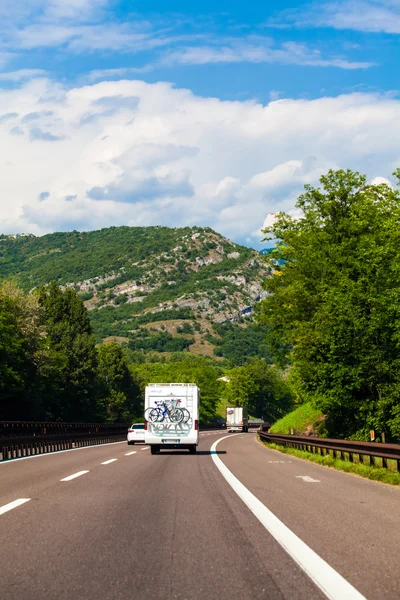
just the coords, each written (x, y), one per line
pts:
(78, 474)
(107, 462)
(14, 460)
(333, 585)
(130, 453)
(11, 505)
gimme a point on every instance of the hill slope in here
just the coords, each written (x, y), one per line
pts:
(162, 288)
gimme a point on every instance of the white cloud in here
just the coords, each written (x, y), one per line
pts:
(358, 15)
(18, 11)
(128, 152)
(257, 49)
(73, 9)
(104, 74)
(22, 74)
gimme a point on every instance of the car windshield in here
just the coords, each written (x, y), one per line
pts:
(138, 426)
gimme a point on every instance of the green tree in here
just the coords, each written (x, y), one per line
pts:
(13, 358)
(72, 345)
(21, 354)
(261, 388)
(334, 303)
(120, 396)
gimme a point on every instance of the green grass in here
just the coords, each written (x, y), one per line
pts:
(221, 408)
(377, 473)
(300, 420)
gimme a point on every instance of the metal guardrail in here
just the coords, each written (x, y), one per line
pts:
(33, 428)
(28, 438)
(257, 423)
(343, 449)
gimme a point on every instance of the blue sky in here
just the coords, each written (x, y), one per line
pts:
(270, 95)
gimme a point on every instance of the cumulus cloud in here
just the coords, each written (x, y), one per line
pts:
(46, 136)
(160, 155)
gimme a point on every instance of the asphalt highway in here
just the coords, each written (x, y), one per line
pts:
(113, 521)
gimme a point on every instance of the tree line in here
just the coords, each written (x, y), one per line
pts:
(52, 369)
(333, 309)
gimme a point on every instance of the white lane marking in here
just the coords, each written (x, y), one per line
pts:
(280, 462)
(107, 462)
(329, 581)
(11, 505)
(14, 460)
(130, 453)
(307, 479)
(146, 448)
(74, 476)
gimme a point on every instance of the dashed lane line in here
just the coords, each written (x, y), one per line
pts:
(74, 476)
(11, 505)
(146, 448)
(329, 581)
(107, 462)
(130, 453)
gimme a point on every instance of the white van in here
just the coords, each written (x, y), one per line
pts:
(172, 416)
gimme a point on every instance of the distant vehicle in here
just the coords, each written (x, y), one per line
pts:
(136, 433)
(172, 416)
(236, 419)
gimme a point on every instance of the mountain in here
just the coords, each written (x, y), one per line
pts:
(163, 289)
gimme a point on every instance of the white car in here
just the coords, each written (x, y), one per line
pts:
(136, 433)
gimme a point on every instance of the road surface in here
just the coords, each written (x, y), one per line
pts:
(111, 522)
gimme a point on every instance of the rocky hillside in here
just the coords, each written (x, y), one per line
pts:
(162, 288)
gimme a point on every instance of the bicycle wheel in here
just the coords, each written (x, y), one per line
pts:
(186, 415)
(175, 415)
(152, 414)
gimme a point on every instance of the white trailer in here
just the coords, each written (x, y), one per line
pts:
(236, 419)
(164, 432)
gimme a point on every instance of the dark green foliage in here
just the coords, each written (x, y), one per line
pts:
(86, 296)
(240, 344)
(121, 299)
(163, 342)
(185, 328)
(119, 395)
(70, 335)
(334, 303)
(120, 321)
(261, 388)
(14, 360)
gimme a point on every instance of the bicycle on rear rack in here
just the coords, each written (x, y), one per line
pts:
(164, 411)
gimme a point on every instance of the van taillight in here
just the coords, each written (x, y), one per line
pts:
(145, 425)
(196, 425)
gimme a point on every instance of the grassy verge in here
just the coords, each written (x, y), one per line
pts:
(376, 473)
(299, 419)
